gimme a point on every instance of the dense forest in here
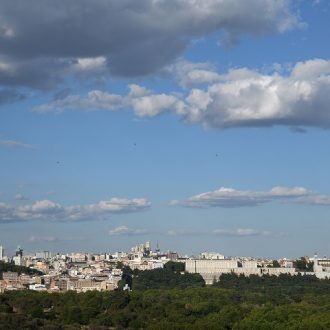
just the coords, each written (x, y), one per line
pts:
(171, 299)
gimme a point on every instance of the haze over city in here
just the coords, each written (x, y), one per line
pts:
(200, 125)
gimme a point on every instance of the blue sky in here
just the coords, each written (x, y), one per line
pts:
(203, 125)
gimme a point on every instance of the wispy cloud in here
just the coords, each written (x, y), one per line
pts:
(185, 232)
(20, 197)
(141, 100)
(47, 210)
(125, 231)
(50, 193)
(231, 198)
(240, 232)
(22, 185)
(9, 95)
(95, 100)
(35, 239)
(16, 144)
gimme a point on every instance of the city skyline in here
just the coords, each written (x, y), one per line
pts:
(8, 256)
(201, 125)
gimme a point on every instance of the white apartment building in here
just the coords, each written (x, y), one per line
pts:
(212, 256)
(277, 271)
(43, 255)
(141, 248)
(210, 266)
(250, 264)
(2, 252)
(211, 270)
(18, 260)
(146, 264)
(37, 287)
(322, 267)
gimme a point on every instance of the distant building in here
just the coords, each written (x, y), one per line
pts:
(276, 271)
(212, 256)
(78, 257)
(42, 266)
(249, 264)
(210, 265)
(19, 252)
(37, 287)
(322, 267)
(119, 255)
(18, 260)
(43, 255)
(10, 276)
(63, 284)
(2, 252)
(172, 255)
(212, 269)
(143, 249)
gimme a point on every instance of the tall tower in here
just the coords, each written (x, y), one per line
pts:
(157, 248)
(2, 252)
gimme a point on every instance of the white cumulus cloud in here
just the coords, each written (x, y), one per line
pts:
(191, 74)
(240, 98)
(246, 97)
(90, 64)
(47, 210)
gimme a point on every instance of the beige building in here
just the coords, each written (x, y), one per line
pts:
(10, 276)
(211, 270)
(210, 266)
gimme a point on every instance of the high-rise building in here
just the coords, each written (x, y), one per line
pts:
(2, 252)
(43, 255)
(19, 251)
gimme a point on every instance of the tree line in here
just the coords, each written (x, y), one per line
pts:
(171, 299)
